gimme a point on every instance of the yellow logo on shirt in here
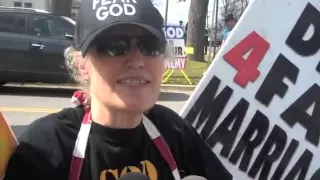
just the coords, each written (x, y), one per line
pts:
(146, 168)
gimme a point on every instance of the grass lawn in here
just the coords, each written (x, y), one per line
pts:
(194, 70)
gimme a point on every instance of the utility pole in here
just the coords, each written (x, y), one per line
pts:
(216, 28)
(166, 14)
(213, 32)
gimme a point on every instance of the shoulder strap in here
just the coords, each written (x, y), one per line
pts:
(83, 135)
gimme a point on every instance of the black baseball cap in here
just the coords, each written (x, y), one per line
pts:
(96, 16)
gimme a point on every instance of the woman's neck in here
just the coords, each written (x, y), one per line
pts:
(114, 118)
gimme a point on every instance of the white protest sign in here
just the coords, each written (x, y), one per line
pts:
(258, 105)
(175, 38)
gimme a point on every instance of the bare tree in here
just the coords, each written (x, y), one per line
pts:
(244, 5)
(235, 7)
(231, 7)
(196, 28)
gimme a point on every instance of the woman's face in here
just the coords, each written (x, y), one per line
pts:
(231, 23)
(128, 82)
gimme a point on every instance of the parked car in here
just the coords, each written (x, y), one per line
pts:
(32, 43)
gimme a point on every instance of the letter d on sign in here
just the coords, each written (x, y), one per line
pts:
(308, 18)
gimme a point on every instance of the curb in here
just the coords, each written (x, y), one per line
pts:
(164, 87)
(175, 87)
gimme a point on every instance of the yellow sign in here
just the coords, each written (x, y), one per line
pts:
(189, 50)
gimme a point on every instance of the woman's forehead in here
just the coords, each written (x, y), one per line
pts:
(126, 30)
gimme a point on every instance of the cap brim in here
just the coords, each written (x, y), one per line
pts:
(230, 19)
(85, 46)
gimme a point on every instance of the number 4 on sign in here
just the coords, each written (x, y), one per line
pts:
(247, 68)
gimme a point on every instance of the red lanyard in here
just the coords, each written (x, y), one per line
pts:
(82, 140)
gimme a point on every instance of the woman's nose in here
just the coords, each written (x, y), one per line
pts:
(136, 58)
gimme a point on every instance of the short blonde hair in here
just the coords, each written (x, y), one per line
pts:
(70, 55)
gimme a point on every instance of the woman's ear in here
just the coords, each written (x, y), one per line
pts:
(82, 65)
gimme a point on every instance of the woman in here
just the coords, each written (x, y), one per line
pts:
(119, 129)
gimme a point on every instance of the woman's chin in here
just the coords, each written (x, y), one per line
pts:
(137, 108)
(135, 105)
(137, 100)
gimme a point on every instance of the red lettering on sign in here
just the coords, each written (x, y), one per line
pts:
(178, 63)
(247, 68)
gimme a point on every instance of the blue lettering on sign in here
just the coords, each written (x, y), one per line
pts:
(173, 32)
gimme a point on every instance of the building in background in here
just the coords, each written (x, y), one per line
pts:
(39, 4)
(75, 8)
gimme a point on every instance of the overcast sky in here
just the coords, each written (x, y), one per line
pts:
(179, 11)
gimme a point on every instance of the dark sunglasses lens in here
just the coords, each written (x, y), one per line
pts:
(150, 47)
(120, 46)
(113, 46)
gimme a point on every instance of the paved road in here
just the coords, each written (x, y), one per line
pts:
(22, 105)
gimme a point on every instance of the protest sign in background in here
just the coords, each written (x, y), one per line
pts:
(174, 35)
(258, 105)
(177, 59)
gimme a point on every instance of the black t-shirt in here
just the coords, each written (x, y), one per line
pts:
(45, 149)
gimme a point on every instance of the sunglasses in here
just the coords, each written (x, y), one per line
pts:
(122, 45)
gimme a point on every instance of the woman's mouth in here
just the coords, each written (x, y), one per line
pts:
(133, 82)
